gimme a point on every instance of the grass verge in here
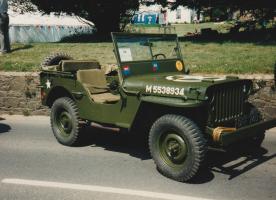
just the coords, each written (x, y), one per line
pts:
(225, 57)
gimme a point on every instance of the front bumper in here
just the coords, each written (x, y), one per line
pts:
(249, 131)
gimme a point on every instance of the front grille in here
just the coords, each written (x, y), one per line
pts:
(227, 103)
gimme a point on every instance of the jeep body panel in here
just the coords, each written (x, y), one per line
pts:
(124, 110)
(134, 91)
(178, 85)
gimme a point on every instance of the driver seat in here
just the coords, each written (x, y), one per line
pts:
(94, 81)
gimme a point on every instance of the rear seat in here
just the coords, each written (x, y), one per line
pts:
(75, 65)
(94, 82)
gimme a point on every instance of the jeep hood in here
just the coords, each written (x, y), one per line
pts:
(175, 85)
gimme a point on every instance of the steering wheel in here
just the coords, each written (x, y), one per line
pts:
(159, 54)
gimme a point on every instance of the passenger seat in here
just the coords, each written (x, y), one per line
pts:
(94, 82)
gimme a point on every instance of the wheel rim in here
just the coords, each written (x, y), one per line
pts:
(173, 149)
(64, 123)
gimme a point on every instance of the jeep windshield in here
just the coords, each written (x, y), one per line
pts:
(139, 47)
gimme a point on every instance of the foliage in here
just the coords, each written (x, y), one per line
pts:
(106, 15)
(243, 4)
(259, 9)
(22, 6)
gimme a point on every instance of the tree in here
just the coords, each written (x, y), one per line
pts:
(105, 14)
(261, 9)
(22, 6)
(246, 4)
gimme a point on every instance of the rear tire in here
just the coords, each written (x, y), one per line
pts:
(177, 147)
(65, 121)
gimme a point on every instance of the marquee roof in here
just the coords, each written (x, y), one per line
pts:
(46, 20)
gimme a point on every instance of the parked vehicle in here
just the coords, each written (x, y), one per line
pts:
(152, 89)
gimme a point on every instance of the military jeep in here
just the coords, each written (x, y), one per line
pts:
(151, 91)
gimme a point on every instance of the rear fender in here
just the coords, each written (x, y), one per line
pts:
(56, 93)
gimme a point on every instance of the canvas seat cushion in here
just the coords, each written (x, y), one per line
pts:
(93, 89)
(92, 77)
(105, 98)
(75, 65)
(95, 83)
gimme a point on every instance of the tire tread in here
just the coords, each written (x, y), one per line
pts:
(198, 140)
(55, 58)
(76, 136)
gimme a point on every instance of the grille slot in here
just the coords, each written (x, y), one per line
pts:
(228, 103)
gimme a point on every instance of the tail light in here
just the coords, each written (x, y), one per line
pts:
(42, 94)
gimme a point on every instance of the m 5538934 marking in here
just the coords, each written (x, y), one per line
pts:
(155, 89)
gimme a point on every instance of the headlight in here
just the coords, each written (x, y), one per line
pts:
(179, 66)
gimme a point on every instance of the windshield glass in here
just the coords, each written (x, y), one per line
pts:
(143, 48)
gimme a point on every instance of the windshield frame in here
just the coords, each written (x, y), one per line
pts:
(116, 36)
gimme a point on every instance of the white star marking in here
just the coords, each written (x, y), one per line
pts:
(48, 84)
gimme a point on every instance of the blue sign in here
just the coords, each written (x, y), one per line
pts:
(145, 18)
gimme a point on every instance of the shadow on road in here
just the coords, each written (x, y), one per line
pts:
(236, 163)
(133, 144)
(231, 163)
(4, 128)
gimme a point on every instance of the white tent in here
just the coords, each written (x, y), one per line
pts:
(35, 27)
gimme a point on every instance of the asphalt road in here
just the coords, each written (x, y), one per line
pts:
(110, 166)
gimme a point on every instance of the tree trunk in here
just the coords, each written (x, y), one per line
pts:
(198, 13)
(106, 21)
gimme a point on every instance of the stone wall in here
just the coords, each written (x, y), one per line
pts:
(265, 98)
(19, 94)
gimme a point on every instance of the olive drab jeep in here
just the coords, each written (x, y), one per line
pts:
(152, 90)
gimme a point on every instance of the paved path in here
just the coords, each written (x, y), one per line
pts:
(109, 166)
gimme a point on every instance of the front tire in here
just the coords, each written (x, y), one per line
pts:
(65, 121)
(177, 147)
